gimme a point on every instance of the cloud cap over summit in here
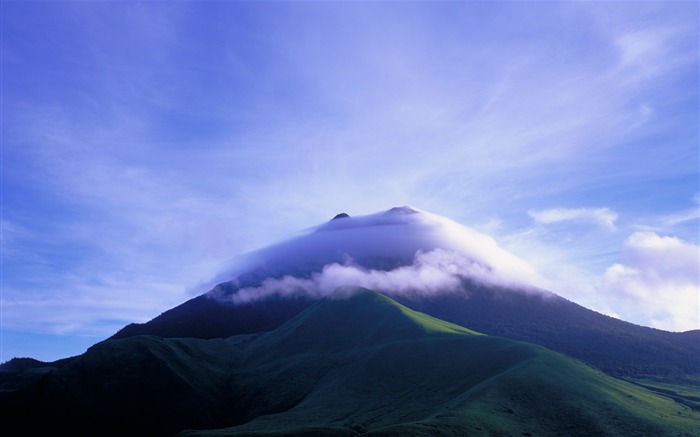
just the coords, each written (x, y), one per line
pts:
(397, 250)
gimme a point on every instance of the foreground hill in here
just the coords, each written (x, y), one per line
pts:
(354, 363)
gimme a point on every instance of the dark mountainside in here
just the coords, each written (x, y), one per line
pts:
(614, 346)
(204, 317)
(617, 347)
(353, 363)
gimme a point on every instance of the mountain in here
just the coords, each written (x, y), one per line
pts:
(612, 345)
(355, 362)
(432, 265)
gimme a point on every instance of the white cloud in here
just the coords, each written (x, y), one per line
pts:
(435, 272)
(600, 216)
(397, 234)
(637, 48)
(658, 277)
(437, 253)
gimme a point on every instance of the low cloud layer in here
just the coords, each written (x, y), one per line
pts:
(659, 277)
(603, 217)
(399, 251)
(435, 272)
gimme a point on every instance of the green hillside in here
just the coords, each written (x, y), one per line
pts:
(355, 363)
(350, 319)
(411, 374)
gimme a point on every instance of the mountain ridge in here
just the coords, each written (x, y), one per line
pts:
(351, 308)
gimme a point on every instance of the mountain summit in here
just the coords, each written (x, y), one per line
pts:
(410, 244)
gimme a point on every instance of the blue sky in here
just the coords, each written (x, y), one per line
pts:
(145, 144)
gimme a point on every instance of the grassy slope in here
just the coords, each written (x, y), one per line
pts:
(425, 376)
(361, 365)
(686, 394)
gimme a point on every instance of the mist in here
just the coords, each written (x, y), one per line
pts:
(402, 251)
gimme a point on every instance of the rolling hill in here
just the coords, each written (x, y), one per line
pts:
(356, 362)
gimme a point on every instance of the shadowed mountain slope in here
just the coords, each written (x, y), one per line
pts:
(612, 345)
(204, 317)
(354, 363)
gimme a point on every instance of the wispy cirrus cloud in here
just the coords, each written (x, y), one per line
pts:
(603, 217)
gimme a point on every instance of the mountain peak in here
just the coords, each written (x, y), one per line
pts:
(425, 245)
(402, 210)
